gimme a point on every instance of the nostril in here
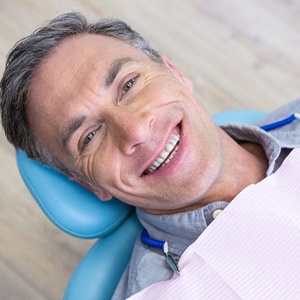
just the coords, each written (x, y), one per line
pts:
(151, 123)
(132, 137)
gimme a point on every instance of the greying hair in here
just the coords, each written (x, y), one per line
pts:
(25, 58)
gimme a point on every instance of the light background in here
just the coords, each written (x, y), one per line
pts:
(240, 55)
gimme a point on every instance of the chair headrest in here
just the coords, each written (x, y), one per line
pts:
(67, 204)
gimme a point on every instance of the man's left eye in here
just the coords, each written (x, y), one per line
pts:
(128, 85)
(89, 137)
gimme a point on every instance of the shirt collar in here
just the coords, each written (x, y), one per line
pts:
(252, 133)
(176, 229)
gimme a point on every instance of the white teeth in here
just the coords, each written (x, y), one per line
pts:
(165, 154)
(169, 147)
(156, 164)
(160, 161)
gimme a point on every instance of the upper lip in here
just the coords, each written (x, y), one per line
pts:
(161, 158)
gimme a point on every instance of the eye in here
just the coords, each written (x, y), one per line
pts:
(127, 89)
(89, 137)
(128, 85)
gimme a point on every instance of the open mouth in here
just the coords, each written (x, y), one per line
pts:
(166, 155)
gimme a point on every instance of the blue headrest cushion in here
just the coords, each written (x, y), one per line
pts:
(67, 204)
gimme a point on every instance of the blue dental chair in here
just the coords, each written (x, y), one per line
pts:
(78, 212)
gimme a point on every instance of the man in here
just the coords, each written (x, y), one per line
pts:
(99, 104)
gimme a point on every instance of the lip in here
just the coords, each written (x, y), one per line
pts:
(177, 130)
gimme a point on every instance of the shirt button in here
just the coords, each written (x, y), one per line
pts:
(216, 213)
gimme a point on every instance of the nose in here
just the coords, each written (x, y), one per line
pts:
(130, 128)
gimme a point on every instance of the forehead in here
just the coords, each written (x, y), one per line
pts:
(73, 62)
(76, 65)
(79, 55)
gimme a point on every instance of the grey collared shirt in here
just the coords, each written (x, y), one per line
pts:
(147, 264)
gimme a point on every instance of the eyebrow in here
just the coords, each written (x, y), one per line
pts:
(70, 129)
(114, 69)
(77, 122)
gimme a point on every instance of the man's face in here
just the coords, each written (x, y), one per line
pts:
(126, 124)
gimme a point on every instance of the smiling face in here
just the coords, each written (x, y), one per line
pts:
(126, 124)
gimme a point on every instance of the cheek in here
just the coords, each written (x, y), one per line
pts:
(206, 157)
(104, 169)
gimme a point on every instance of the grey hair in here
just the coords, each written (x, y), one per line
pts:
(25, 58)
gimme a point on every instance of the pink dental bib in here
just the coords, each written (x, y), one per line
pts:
(252, 249)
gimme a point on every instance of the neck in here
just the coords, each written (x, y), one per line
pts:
(245, 163)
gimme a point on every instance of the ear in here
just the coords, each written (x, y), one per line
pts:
(100, 193)
(184, 80)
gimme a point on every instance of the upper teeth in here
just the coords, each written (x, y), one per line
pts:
(165, 157)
